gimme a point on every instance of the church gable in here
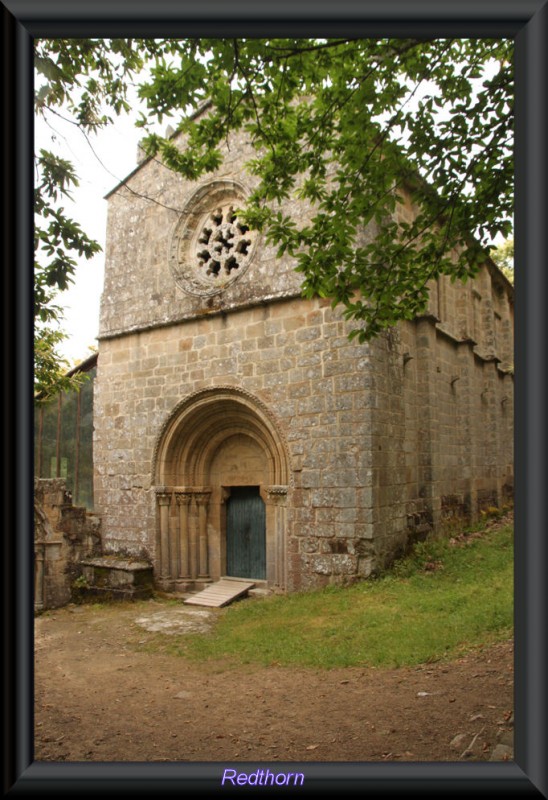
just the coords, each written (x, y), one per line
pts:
(176, 248)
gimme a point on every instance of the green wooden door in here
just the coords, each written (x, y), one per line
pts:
(245, 534)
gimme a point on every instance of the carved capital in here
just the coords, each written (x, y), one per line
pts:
(163, 495)
(277, 490)
(182, 498)
(202, 498)
(277, 495)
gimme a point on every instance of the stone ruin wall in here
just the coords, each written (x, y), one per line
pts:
(63, 535)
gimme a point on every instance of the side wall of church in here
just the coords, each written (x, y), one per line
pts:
(442, 425)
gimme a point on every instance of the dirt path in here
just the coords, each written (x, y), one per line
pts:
(101, 697)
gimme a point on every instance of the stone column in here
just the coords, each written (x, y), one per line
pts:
(277, 499)
(164, 500)
(183, 503)
(39, 576)
(202, 501)
(192, 543)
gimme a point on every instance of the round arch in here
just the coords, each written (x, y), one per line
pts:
(214, 441)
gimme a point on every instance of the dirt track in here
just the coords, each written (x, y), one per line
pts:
(101, 697)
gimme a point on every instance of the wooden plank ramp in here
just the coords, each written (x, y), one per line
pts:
(221, 593)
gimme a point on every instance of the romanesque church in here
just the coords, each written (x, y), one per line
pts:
(239, 432)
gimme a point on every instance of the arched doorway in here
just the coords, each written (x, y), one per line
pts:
(221, 480)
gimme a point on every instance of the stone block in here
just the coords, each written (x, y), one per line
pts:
(115, 578)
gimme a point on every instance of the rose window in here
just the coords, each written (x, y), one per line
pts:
(223, 244)
(211, 246)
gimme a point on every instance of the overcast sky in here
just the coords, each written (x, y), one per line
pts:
(113, 156)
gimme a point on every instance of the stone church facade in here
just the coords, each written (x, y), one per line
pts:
(239, 432)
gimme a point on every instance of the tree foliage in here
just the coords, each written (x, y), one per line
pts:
(503, 256)
(343, 125)
(80, 77)
(56, 239)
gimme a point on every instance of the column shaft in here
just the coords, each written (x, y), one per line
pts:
(164, 499)
(183, 501)
(202, 501)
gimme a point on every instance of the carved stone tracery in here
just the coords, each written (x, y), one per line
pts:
(211, 246)
(224, 242)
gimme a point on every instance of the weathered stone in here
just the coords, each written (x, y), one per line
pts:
(114, 578)
(506, 738)
(63, 535)
(502, 752)
(177, 621)
(459, 741)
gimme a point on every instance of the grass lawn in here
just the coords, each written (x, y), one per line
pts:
(446, 597)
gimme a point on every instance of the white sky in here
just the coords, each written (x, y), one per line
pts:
(114, 155)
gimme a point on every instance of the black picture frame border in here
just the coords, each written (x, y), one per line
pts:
(524, 20)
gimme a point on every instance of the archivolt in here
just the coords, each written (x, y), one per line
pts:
(202, 422)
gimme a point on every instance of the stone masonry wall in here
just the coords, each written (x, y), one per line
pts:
(442, 434)
(295, 357)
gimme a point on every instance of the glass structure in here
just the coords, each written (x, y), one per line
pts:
(63, 438)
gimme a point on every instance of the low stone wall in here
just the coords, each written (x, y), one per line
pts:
(63, 536)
